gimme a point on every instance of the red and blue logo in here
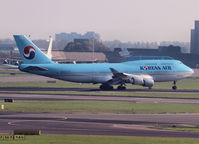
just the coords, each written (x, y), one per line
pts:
(145, 67)
(29, 52)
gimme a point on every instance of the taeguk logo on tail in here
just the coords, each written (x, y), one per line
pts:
(29, 52)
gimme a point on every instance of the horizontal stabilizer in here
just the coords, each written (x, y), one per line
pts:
(34, 68)
(14, 66)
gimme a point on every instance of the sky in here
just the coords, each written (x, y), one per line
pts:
(124, 20)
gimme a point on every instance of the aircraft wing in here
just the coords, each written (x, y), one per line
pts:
(117, 74)
(118, 77)
(122, 78)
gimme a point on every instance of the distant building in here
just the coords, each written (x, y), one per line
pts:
(7, 47)
(67, 36)
(73, 35)
(185, 46)
(81, 40)
(195, 39)
(79, 57)
(143, 52)
(170, 50)
(62, 39)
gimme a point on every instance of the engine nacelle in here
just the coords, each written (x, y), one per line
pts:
(140, 80)
(137, 80)
(148, 82)
(144, 80)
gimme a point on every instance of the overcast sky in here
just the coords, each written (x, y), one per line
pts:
(125, 20)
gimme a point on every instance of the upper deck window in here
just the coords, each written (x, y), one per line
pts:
(134, 58)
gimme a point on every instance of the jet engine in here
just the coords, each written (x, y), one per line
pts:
(137, 80)
(148, 82)
(141, 80)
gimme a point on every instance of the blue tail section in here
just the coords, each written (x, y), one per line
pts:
(29, 52)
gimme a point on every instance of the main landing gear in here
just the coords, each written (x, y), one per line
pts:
(106, 87)
(174, 87)
(109, 87)
(121, 87)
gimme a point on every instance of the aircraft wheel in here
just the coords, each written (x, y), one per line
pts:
(121, 88)
(174, 87)
(106, 87)
(101, 87)
(110, 87)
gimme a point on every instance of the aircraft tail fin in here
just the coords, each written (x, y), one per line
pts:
(29, 52)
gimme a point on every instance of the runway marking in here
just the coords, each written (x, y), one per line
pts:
(60, 125)
(101, 98)
(9, 123)
(74, 129)
(138, 127)
(19, 121)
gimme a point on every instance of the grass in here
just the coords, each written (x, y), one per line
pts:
(13, 75)
(111, 93)
(188, 84)
(6, 72)
(185, 84)
(91, 139)
(115, 107)
(178, 128)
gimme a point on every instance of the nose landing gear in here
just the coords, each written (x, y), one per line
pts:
(174, 87)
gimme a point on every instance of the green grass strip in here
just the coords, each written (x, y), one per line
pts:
(185, 84)
(114, 107)
(91, 139)
(178, 128)
(112, 93)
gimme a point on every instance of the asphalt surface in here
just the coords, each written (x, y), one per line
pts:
(45, 97)
(97, 124)
(94, 90)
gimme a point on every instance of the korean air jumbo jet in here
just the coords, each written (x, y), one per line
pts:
(137, 72)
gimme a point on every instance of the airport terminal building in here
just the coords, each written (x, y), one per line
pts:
(195, 39)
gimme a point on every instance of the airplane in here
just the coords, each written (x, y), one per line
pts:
(136, 72)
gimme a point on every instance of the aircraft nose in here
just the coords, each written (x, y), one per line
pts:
(190, 70)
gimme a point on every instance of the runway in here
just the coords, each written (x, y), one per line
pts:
(98, 124)
(96, 90)
(45, 97)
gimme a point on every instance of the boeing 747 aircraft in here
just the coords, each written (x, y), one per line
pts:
(136, 72)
